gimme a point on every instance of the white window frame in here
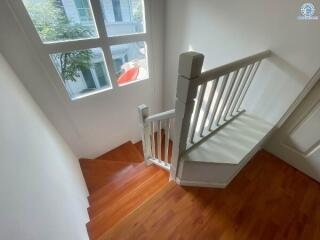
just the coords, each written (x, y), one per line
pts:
(102, 41)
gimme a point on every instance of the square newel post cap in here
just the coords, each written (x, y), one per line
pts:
(190, 64)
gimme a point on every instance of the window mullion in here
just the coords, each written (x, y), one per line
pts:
(127, 38)
(98, 15)
(72, 45)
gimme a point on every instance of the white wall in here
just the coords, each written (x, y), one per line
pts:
(43, 195)
(229, 30)
(96, 124)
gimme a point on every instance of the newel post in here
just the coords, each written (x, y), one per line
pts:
(143, 111)
(190, 65)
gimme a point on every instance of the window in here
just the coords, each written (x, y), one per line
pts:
(130, 13)
(101, 74)
(56, 22)
(75, 69)
(83, 10)
(117, 10)
(117, 63)
(80, 51)
(132, 65)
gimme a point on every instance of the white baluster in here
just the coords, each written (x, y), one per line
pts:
(208, 105)
(197, 111)
(236, 88)
(248, 85)
(167, 138)
(159, 139)
(218, 100)
(243, 84)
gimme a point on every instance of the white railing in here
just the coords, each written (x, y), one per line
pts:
(156, 136)
(205, 102)
(220, 94)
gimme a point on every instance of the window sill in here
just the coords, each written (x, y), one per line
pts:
(132, 82)
(90, 93)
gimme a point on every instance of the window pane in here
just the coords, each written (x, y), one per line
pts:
(62, 20)
(123, 17)
(117, 10)
(130, 62)
(82, 71)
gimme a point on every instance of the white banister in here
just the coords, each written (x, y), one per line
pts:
(154, 129)
(197, 110)
(231, 67)
(236, 87)
(146, 130)
(161, 116)
(159, 136)
(226, 97)
(190, 65)
(210, 99)
(218, 100)
(240, 90)
(208, 105)
(229, 86)
(248, 85)
(153, 132)
(167, 139)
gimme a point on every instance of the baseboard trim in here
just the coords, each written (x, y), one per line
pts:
(200, 184)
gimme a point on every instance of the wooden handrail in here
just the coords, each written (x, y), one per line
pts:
(230, 67)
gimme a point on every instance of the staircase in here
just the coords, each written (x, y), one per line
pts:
(204, 142)
(119, 182)
(213, 136)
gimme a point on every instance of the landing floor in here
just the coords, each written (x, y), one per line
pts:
(267, 200)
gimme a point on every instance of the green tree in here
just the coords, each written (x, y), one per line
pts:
(137, 10)
(52, 24)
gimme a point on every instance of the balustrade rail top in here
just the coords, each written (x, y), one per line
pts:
(230, 67)
(161, 116)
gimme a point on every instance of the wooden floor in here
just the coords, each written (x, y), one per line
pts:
(267, 200)
(119, 183)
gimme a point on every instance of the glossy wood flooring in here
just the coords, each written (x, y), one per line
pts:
(119, 183)
(267, 200)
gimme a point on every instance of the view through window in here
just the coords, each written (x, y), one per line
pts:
(67, 23)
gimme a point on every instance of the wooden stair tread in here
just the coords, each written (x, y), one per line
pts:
(126, 152)
(121, 207)
(105, 164)
(98, 173)
(118, 190)
(118, 181)
(143, 210)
